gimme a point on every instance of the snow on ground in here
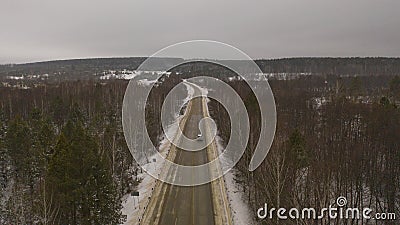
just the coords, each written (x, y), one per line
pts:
(113, 74)
(28, 76)
(190, 91)
(16, 77)
(129, 74)
(146, 82)
(204, 91)
(241, 212)
(277, 76)
(132, 206)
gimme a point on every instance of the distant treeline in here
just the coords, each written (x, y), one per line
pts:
(337, 66)
(86, 68)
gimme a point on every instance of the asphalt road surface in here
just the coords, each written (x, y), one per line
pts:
(188, 205)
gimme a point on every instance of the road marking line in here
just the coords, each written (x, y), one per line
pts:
(159, 187)
(220, 182)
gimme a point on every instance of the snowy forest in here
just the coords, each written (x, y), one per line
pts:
(64, 160)
(335, 137)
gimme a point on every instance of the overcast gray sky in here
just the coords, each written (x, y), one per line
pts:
(35, 30)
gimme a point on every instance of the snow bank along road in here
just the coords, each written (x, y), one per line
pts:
(199, 205)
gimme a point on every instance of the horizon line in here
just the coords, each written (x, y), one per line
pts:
(254, 59)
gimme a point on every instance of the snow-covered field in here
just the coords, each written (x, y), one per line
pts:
(128, 74)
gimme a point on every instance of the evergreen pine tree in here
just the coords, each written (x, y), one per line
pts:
(297, 149)
(83, 185)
